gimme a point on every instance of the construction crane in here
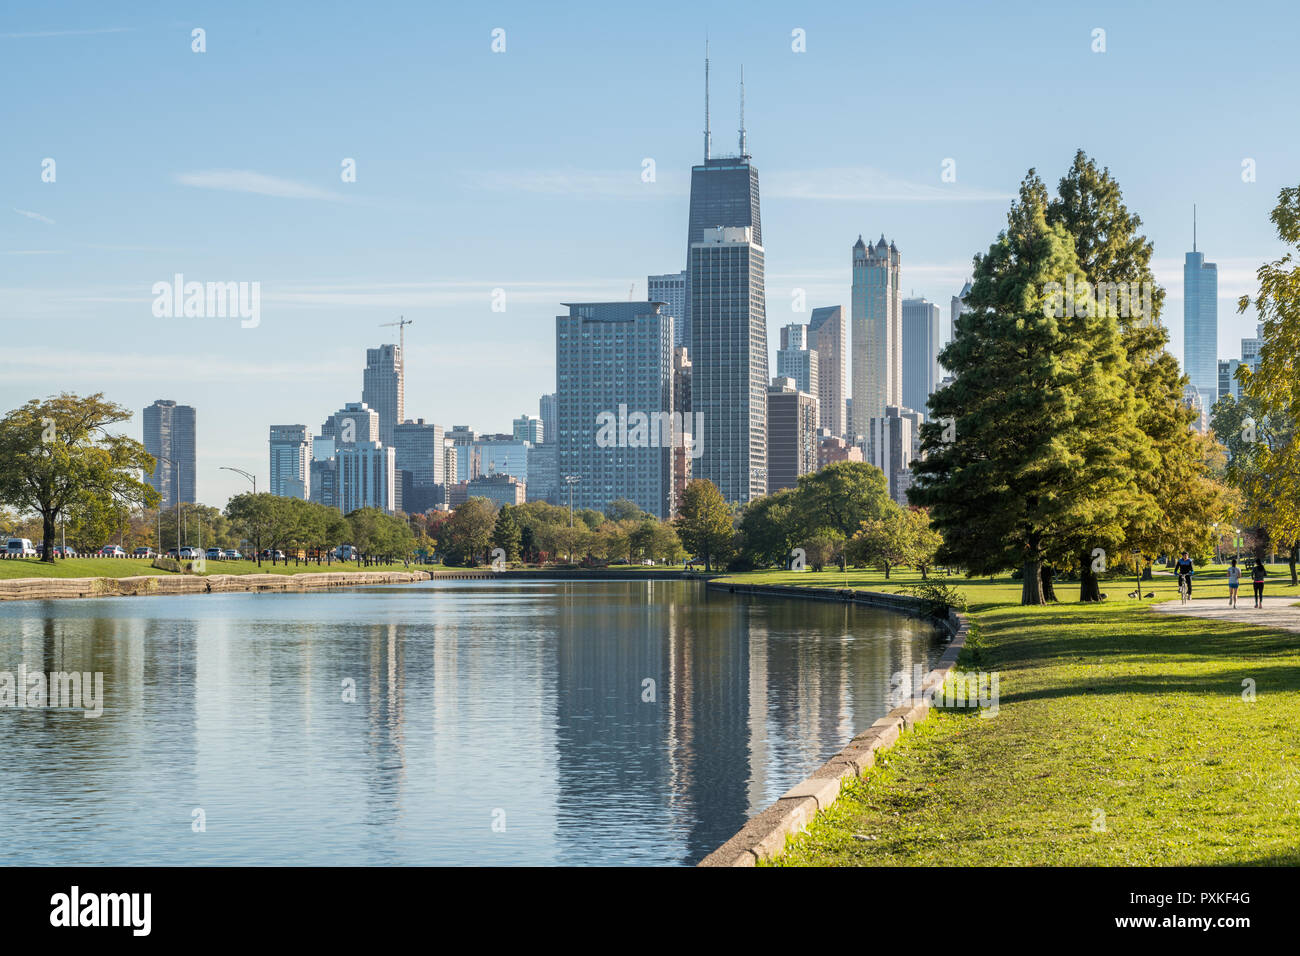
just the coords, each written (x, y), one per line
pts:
(401, 324)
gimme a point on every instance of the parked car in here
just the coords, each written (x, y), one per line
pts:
(144, 553)
(216, 554)
(345, 552)
(111, 551)
(230, 554)
(268, 554)
(172, 553)
(191, 553)
(65, 552)
(19, 548)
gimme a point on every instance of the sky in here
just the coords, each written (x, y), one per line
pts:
(522, 170)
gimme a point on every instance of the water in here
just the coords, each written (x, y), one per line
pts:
(493, 722)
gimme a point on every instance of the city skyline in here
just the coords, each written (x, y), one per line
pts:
(336, 259)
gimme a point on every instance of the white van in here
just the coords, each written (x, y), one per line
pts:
(19, 548)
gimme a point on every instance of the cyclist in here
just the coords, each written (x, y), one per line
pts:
(1184, 571)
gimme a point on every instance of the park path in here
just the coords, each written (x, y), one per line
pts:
(1277, 612)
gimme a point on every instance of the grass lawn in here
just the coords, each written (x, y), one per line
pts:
(130, 567)
(1122, 738)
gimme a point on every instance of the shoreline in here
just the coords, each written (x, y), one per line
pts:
(766, 833)
(46, 589)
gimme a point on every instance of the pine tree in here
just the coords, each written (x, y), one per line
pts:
(1030, 467)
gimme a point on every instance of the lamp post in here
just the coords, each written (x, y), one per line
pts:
(571, 480)
(240, 471)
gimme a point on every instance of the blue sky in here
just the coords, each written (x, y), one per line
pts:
(521, 170)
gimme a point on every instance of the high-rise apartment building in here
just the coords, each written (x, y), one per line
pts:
(418, 456)
(791, 433)
(546, 411)
(614, 403)
(797, 359)
(170, 435)
(1228, 384)
(670, 289)
(877, 332)
(684, 422)
(828, 336)
(1201, 323)
(367, 476)
(290, 461)
(384, 388)
(529, 428)
(729, 360)
(354, 422)
(891, 443)
(921, 347)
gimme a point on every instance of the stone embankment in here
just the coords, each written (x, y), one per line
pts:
(44, 589)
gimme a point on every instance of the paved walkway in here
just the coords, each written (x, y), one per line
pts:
(1277, 611)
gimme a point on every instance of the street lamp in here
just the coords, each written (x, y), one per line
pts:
(240, 471)
(571, 480)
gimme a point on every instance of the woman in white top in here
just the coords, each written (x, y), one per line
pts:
(1234, 579)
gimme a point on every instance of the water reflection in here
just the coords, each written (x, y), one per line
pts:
(534, 722)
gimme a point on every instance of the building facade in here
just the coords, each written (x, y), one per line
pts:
(877, 317)
(729, 361)
(290, 461)
(797, 359)
(171, 436)
(614, 403)
(1201, 325)
(367, 476)
(921, 345)
(546, 411)
(791, 434)
(670, 289)
(528, 428)
(384, 388)
(828, 336)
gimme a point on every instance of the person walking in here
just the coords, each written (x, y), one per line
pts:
(1258, 578)
(1234, 580)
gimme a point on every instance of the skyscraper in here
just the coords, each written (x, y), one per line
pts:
(729, 360)
(366, 477)
(546, 411)
(877, 333)
(170, 436)
(957, 305)
(796, 359)
(528, 428)
(384, 388)
(418, 457)
(682, 461)
(1201, 323)
(724, 192)
(290, 461)
(614, 402)
(791, 433)
(354, 422)
(670, 289)
(828, 336)
(920, 353)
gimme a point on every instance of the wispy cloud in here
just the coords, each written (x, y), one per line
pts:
(34, 215)
(248, 181)
(866, 184)
(63, 33)
(34, 252)
(580, 183)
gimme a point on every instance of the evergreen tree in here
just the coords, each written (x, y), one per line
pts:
(1032, 468)
(506, 535)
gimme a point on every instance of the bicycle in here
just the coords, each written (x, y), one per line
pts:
(1184, 589)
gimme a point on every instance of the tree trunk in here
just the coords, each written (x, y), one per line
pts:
(1291, 559)
(1031, 591)
(1049, 593)
(886, 570)
(47, 525)
(1089, 585)
(925, 569)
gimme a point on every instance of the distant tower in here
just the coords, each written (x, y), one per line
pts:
(384, 388)
(877, 333)
(170, 435)
(920, 353)
(828, 336)
(1201, 322)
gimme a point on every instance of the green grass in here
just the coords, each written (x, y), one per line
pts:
(130, 567)
(1104, 710)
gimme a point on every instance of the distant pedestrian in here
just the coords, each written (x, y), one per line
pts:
(1234, 580)
(1258, 578)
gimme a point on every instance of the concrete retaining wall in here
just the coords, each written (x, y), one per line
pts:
(766, 833)
(43, 589)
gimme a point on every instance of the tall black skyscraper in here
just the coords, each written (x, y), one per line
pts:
(724, 192)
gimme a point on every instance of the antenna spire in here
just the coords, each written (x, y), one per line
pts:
(708, 136)
(1193, 227)
(742, 113)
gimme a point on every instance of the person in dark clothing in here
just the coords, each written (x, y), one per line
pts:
(1183, 568)
(1257, 578)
